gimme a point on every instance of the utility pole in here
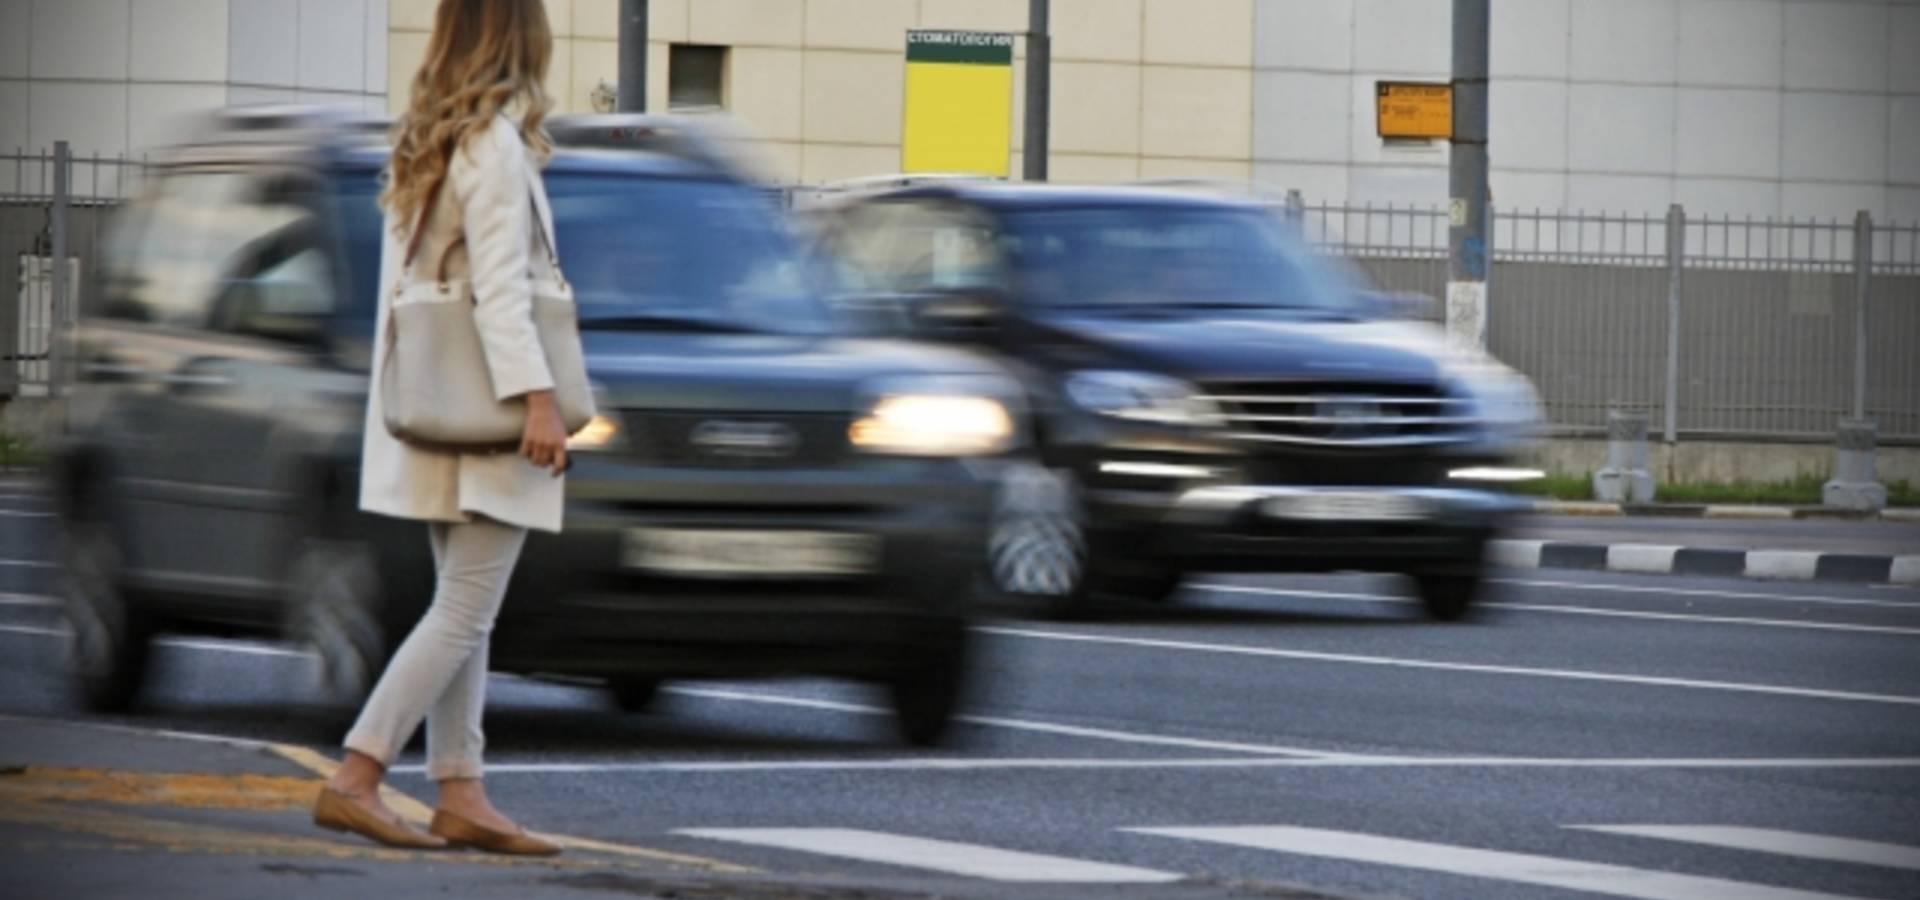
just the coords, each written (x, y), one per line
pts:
(1468, 253)
(632, 95)
(1039, 89)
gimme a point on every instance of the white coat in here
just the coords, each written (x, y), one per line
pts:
(481, 225)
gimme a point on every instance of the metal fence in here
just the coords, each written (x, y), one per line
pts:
(51, 204)
(1720, 327)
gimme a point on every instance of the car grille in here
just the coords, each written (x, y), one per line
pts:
(725, 440)
(1340, 414)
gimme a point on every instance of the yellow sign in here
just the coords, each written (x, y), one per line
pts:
(959, 103)
(1414, 109)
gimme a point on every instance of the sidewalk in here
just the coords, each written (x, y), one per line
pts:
(98, 811)
(1782, 547)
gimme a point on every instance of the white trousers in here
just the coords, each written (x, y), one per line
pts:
(440, 671)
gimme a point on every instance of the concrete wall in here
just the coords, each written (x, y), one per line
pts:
(1725, 460)
(115, 76)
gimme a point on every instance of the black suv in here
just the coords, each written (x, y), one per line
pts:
(761, 494)
(1208, 394)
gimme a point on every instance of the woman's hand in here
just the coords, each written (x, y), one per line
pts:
(544, 441)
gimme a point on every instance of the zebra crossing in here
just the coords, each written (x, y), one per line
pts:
(1002, 864)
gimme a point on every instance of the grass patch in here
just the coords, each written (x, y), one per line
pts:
(18, 452)
(1802, 491)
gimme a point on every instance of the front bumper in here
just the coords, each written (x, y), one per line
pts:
(1256, 528)
(596, 615)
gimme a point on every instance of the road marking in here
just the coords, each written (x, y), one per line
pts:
(27, 600)
(1523, 868)
(245, 648)
(1575, 610)
(726, 767)
(26, 564)
(1767, 840)
(1649, 559)
(1709, 593)
(1437, 665)
(1125, 737)
(972, 860)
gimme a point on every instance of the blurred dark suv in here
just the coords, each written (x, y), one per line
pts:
(1208, 394)
(760, 496)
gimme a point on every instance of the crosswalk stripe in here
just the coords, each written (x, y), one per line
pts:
(1768, 840)
(971, 860)
(1546, 871)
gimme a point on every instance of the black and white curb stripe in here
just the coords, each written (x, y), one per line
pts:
(1664, 559)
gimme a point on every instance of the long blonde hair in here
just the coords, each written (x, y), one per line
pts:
(483, 56)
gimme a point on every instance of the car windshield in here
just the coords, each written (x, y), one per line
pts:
(1150, 258)
(649, 252)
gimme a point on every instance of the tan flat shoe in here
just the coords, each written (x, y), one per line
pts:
(335, 811)
(462, 832)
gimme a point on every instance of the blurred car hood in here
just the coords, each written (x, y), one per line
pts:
(1224, 345)
(767, 372)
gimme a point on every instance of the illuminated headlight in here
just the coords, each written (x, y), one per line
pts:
(1141, 397)
(1496, 474)
(937, 417)
(602, 433)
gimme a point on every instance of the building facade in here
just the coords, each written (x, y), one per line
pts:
(1738, 107)
(114, 77)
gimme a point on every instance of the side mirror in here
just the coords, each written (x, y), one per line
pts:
(959, 315)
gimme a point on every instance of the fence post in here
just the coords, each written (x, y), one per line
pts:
(1296, 210)
(1676, 266)
(1862, 291)
(57, 326)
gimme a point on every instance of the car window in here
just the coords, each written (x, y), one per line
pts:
(1150, 256)
(907, 247)
(185, 241)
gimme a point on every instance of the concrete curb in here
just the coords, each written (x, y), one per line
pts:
(1717, 511)
(1668, 559)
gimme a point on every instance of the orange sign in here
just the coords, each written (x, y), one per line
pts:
(1417, 110)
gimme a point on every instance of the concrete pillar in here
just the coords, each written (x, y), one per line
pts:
(1626, 478)
(1856, 481)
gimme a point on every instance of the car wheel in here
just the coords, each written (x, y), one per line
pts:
(634, 694)
(1037, 547)
(927, 695)
(335, 612)
(1447, 597)
(112, 642)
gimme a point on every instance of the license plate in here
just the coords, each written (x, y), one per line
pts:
(718, 553)
(1352, 506)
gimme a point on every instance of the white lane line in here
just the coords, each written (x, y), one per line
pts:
(1767, 840)
(1437, 665)
(26, 564)
(1575, 610)
(244, 648)
(972, 860)
(27, 600)
(1102, 734)
(722, 767)
(1646, 559)
(1603, 587)
(1523, 868)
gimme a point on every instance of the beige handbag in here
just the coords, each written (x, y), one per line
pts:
(435, 388)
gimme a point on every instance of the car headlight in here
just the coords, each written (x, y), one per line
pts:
(1503, 401)
(1141, 397)
(602, 433)
(961, 416)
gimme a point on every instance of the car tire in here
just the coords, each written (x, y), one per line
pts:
(112, 640)
(1037, 553)
(336, 610)
(634, 694)
(1447, 597)
(927, 695)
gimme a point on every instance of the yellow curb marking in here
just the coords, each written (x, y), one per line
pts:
(420, 814)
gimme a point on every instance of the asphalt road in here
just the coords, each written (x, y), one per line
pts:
(1620, 736)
